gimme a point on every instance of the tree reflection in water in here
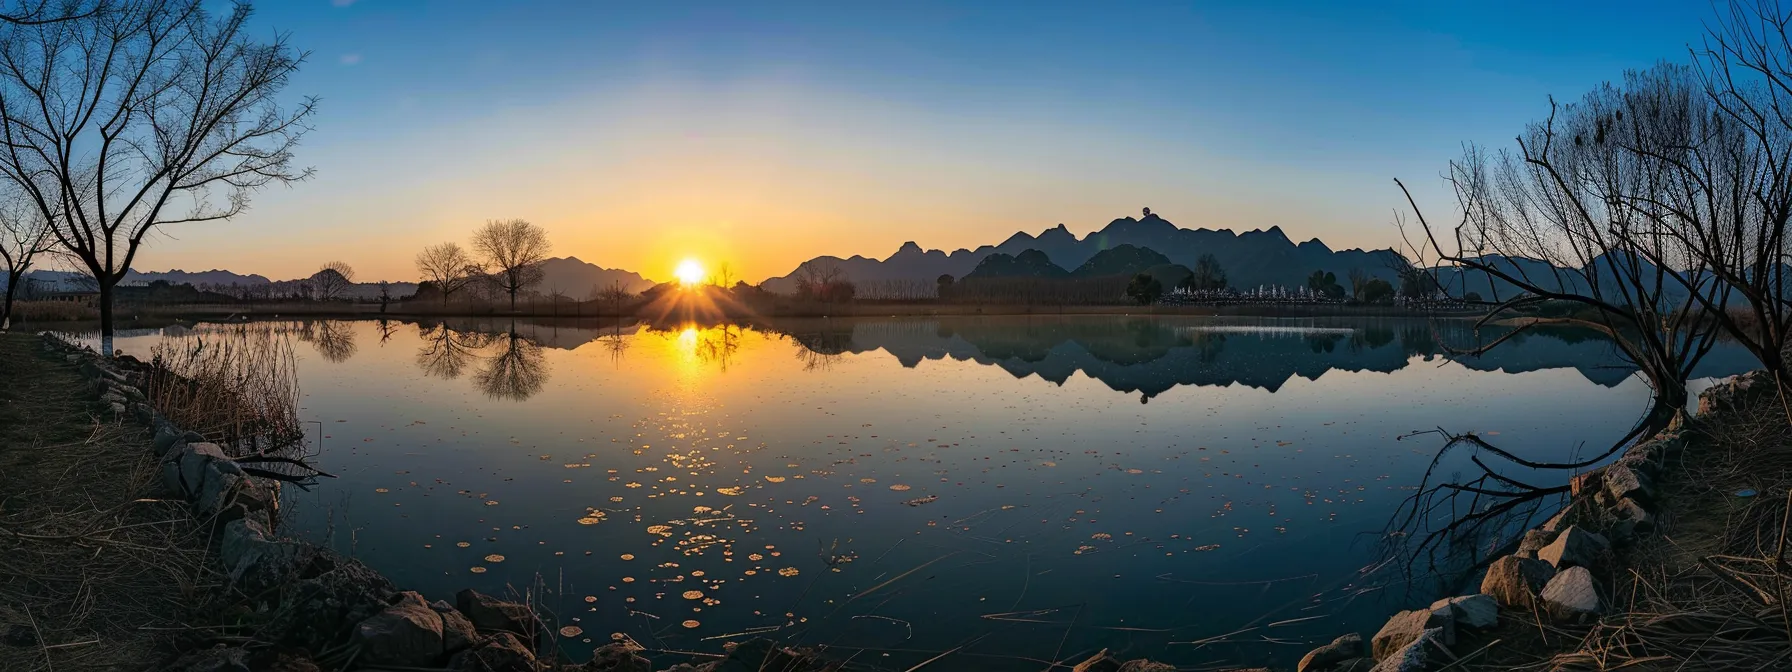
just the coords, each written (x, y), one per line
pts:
(447, 353)
(333, 339)
(518, 370)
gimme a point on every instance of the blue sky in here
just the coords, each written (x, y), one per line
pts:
(766, 133)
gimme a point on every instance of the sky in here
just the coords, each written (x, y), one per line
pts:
(764, 134)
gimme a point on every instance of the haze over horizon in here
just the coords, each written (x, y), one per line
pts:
(639, 136)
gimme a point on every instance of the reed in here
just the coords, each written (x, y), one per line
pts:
(239, 388)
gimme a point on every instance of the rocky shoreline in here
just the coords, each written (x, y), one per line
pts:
(327, 611)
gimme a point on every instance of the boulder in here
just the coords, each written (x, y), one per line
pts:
(1575, 547)
(1572, 596)
(1513, 581)
(1630, 519)
(407, 633)
(616, 657)
(219, 482)
(1586, 482)
(1624, 482)
(322, 608)
(501, 652)
(183, 469)
(166, 437)
(457, 631)
(1473, 611)
(1533, 541)
(1405, 627)
(492, 614)
(1415, 656)
(1326, 658)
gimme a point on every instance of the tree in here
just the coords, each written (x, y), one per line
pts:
(1144, 289)
(23, 236)
(613, 295)
(823, 282)
(333, 281)
(1325, 283)
(447, 266)
(139, 116)
(1207, 276)
(1359, 280)
(44, 12)
(514, 250)
(943, 284)
(1574, 217)
(723, 277)
(385, 296)
(1377, 290)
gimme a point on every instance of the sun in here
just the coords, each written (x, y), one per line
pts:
(689, 272)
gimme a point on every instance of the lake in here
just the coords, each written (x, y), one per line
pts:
(1201, 491)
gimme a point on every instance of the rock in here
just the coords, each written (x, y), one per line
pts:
(489, 613)
(1405, 627)
(183, 468)
(407, 633)
(457, 631)
(1326, 658)
(1622, 482)
(1100, 662)
(1533, 541)
(1586, 482)
(501, 652)
(166, 437)
(616, 657)
(1473, 611)
(1513, 581)
(1572, 596)
(758, 654)
(116, 409)
(330, 596)
(1415, 656)
(219, 482)
(1631, 520)
(1575, 547)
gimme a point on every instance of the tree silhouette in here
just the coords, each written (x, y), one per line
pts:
(333, 281)
(139, 116)
(514, 249)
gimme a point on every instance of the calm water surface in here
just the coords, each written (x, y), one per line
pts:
(1197, 490)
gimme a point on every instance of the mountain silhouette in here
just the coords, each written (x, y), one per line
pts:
(1251, 259)
(578, 278)
(1028, 264)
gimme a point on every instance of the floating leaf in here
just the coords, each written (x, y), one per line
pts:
(571, 631)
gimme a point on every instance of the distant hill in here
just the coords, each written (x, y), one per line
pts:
(574, 277)
(1027, 264)
(578, 278)
(1251, 259)
(1120, 260)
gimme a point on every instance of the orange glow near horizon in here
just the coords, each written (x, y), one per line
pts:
(690, 272)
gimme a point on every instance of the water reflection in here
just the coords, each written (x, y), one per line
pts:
(1137, 355)
(516, 371)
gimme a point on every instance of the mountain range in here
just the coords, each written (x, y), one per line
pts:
(569, 274)
(1251, 259)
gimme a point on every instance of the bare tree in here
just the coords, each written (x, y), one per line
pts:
(613, 295)
(147, 114)
(723, 278)
(333, 281)
(447, 266)
(44, 12)
(23, 235)
(514, 249)
(1571, 217)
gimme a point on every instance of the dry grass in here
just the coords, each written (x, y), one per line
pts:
(93, 564)
(239, 388)
(26, 312)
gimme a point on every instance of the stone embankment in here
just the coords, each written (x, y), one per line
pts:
(1557, 569)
